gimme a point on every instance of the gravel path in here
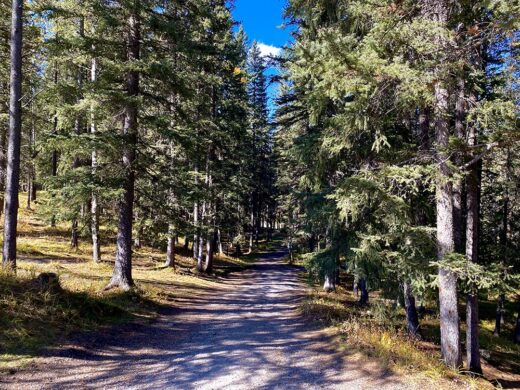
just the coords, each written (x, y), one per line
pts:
(247, 336)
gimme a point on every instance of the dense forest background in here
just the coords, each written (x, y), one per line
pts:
(391, 154)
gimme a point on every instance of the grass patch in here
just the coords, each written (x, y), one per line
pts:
(32, 317)
(377, 331)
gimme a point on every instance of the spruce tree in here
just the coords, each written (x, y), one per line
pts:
(14, 137)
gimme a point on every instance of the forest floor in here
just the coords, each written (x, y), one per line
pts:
(246, 332)
(32, 318)
(253, 324)
(377, 331)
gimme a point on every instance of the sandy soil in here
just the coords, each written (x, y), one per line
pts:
(249, 335)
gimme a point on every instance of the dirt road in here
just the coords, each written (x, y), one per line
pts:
(249, 336)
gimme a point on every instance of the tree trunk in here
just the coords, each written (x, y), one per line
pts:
(74, 242)
(77, 131)
(516, 337)
(219, 240)
(472, 248)
(31, 176)
(412, 318)
(330, 282)
(252, 218)
(197, 229)
(200, 254)
(211, 241)
(437, 10)
(3, 167)
(94, 227)
(458, 188)
(15, 127)
(29, 191)
(170, 250)
(94, 206)
(499, 313)
(54, 155)
(504, 243)
(34, 188)
(449, 314)
(363, 299)
(122, 275)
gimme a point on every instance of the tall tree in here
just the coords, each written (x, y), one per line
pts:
(448, 300)
(122, 275)
(14, 136)
(260, 142)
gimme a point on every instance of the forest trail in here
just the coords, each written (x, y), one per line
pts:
(249, 335)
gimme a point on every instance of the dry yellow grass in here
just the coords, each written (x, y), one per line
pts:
(366, 331)
(32, 317)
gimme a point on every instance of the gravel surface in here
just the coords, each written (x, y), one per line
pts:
(248, 335)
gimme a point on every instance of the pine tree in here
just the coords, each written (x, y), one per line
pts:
(365, 140)
(14, 137)
(260, 148)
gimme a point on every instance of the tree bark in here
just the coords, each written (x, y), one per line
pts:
(15, 127)
(29, 191)
(94, 204)
(252, 221)
(504, 243)
(458, 187)
(31, 176)
(363, 299)
(77, 132)
(170, 250)
(330, 282)
(499, 314)
(219, 240)
(196, 218)
(212, 239)
(54, 155)
(34, 187)
(74, 242)
(449, 315)
(412, 318)
(472, 249)
(200, 254)
(122, 275)
(516, 337)
(3, 167)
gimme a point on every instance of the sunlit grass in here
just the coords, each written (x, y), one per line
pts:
(377, 331)
(32, 317)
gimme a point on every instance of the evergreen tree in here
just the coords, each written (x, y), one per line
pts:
(386, 106)
(260, 148)
(14, 137)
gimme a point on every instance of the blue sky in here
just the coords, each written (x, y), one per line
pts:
(262, 20)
